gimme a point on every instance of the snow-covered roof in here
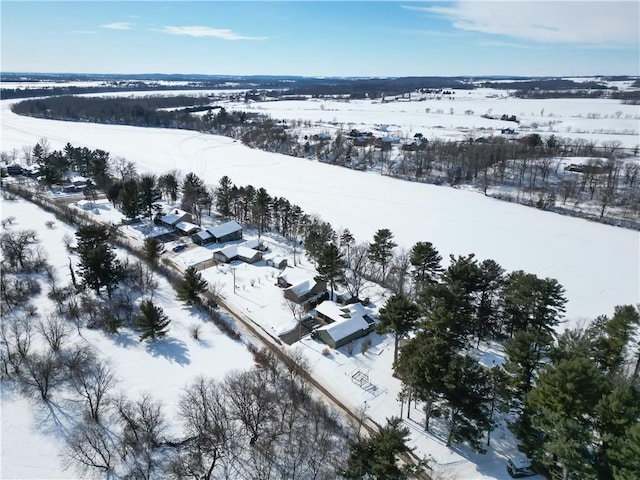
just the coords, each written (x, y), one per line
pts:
(78, 179)
(343, 327)
(173, 217)
(232, 251)
(202, 235)
(85, 204)
(294, 276)
(303, 287)
(185, 226)
(335, 312)
(225, 229)
(253, 243)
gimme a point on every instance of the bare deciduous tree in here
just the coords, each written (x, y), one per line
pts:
(54, 332)
(41, 373)
(251, 401)
(210, 433)
(358, 270)
(92, 446)
(93, 381)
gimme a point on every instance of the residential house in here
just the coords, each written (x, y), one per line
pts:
(237, 252)
(291, 276)
(174, 217)
(225, 232)
(344, 323)
(307, 293)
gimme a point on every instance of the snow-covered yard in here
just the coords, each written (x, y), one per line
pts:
(32, 432)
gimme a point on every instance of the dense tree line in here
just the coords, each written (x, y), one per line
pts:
(152, 111)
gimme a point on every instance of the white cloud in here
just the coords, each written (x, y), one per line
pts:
(571, 22)
(118, 25)
(198, 31)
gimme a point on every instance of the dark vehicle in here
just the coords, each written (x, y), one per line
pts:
(519, 466)
(179, 247)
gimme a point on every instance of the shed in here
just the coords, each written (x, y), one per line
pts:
(276, 262)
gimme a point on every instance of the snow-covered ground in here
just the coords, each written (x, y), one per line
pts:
(31, 433)
(598, 265)
(460, 116)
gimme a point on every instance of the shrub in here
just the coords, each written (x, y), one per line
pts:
(365, 345)
(195, 331)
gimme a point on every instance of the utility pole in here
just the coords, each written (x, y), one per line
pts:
(233, 269)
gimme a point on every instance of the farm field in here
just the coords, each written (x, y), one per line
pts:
(597, 264)
(460, 116)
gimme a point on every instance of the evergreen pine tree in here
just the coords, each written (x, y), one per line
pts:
(467, 391)
(129, 199)
(398, 316)
(376, 457)
(381, 250)
(426, 262)
(151, 250)
(152, 321)
(562, 406)
(223, 196)
(331, 266)
(147, 192)
(191, 286)
(422, 365)
(625, 457)
(532, 302)
(98, 266)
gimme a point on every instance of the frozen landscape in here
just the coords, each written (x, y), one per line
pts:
(597, 264)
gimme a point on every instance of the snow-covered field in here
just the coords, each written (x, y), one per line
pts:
(598, 265)
(459, 116)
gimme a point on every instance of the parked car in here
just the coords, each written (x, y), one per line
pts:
(179, 247)
(520, 466)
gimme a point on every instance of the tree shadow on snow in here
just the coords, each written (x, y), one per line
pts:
(57, 418)
(124, 340)
(170, 348)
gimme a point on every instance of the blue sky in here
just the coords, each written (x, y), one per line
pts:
(345, 38)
